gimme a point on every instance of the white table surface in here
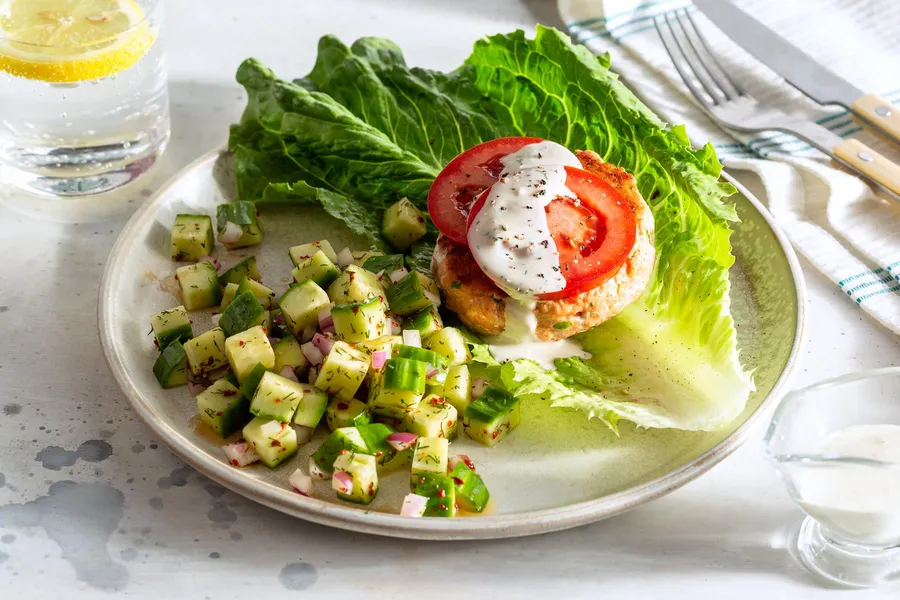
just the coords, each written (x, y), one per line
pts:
(134, 521)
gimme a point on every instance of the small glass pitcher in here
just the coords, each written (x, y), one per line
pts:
(836, 445)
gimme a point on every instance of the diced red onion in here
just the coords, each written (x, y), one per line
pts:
(379, 357)
(240, 453)
(460, 458)
(304, 434)
(301, 482)
(231, 234)
(345, 257)
(313, 375)
(401, 440)
(342, 482)
(396, 328)
(218, 373)
(323, 343)
(397, 275)
(195, 388)
(214, 261)
(479, 385)
(312, 353)
(288, 373)
(325, 318)
(170, 285)
(271, 429)
(433, 298)
(432, 372)
(412, 337)
(308, 332)
(279, 318)
(316, 472)
(215, 319)
(413, 505)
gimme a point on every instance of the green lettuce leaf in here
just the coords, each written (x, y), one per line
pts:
(670, 359)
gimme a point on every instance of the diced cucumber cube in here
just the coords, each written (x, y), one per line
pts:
(425, 322)
(223, 407)
(361, 256)
(171, 325)
(301, 304)
(347, 413)
(206, 352)
(458, 388)
(355, 284)
(265, 295)
(403, 224)
(288, 354)
(407, 296)
(343, 371)
(437, 365)
(450, 343)
(399, 389)
(375, 436)
(242, 269)
(345, 439)
(383, 344)
(244, 312)
(273, 441)
(383, 264)
(304, 252)
(471, 493)
(359, 321)
(360, 483)
(441, 494)
(490, 417)
(245, 216)
(251, 382)
(276, 397)
(199, 285)
(192, 237)
(228, 294)
(170, 367)
(247, 349)
(429, 284)
(312, 406)
(430, 455)
(432, 417)
(318, 268)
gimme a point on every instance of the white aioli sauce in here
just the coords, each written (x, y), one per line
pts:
(858, 503)
(511, 242)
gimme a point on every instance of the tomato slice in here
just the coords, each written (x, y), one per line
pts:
(594, 236)
(463, 179)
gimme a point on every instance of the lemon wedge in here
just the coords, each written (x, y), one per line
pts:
(64, 41)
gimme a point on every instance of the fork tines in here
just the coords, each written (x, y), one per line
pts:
(694, 60)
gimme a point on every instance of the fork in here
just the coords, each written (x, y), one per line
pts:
(727, 103)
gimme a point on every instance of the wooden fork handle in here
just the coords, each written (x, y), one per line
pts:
(871, 164)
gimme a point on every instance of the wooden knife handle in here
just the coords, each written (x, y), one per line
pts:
(880, 113)
(871, 164)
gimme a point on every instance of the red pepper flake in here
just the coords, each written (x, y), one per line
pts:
(442, 506)
(229, 393)
(379, 454)
(277, 400)
(469, 463)
(241, 441)
(344, 451)
(234, 462)
(219, 414)
(449, 423)
(343, 406)
(276, 443)
(457, 481)
(441, 493)
(240, 342)
(494, 435)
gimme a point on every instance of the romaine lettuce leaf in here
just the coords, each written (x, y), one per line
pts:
(670, 359)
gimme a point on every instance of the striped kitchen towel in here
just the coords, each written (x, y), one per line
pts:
(832, 218)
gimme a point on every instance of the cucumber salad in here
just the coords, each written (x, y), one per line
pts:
(355, 345)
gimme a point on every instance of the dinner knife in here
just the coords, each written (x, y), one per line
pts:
(798, 68)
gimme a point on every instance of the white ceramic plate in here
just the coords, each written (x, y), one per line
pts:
(556, 471)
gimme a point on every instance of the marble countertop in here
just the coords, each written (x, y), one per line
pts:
(91, 505)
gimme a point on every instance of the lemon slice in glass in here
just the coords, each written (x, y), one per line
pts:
(62, 41)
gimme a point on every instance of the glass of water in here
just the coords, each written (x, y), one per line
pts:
(84, 105)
